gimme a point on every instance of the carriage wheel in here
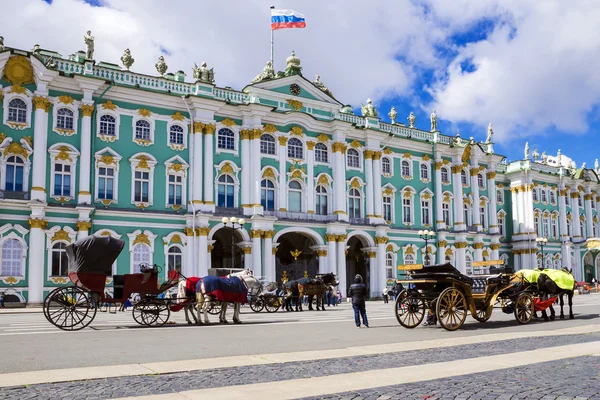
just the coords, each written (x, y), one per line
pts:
(451, 309)
(151, 314)
(140, 316)
(482, 315)
(257, 304)
(272, 304)
(410, 309)
(214, 308)
(69, 308)
(524, 308)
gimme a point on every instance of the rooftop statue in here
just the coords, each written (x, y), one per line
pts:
(369, 110)
(544, 158)
(89, 45)
(596, 165)
(36, 50)
(411, 120)
(490, 134)
(126, 59)
(393, 114)
(50, 64)
(203, 74)
(433, 118)
(526, 151)
(161, 66)
(536, 155)
(321, 86)
(347, 109)
(1, 43)
(457, 139)
(292, 67)
(559, 158)
(267, 73)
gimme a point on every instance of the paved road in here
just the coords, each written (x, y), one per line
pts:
(116, 339)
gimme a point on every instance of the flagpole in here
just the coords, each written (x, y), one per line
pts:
(272, 61)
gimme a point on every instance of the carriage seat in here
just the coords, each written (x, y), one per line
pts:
(118, 282)
(481, 282)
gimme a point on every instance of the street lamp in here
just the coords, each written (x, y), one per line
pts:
(427, 236)
(542, 241)
(234, 224)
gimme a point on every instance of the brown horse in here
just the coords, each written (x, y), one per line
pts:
(316, 287)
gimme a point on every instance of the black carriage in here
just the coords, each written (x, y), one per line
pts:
(444, 291)
(90, 267)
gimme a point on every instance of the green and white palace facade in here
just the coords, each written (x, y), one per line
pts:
(90, 148)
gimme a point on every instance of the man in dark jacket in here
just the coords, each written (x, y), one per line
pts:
(358, 293)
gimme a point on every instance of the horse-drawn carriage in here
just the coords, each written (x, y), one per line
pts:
(450, 295)
(90, 266)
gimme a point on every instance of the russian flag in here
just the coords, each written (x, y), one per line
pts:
(281, 19)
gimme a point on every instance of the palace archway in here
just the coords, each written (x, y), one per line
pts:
(295, 258)
(226, 243)
(357, 261)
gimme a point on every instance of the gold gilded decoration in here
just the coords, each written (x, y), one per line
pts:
(142, 205)
(574, 195)
(407, 194)
(2, 136)
(177, 116)
(143, 142)
(144, 112)
(376, 155)
(474, 171)
(209, 129)
(37, 223)
(330, 237)
(407, 155)
(107, 159)
(338, 147)
(83, 225)
(297, 174)
(109, 105)
(387, 151)
(456, 169)
(41, 102)
(381, 240)
(17, 149)
(255, 234)
(442, 243)
(203, 231)
(63, 154)
(61, 235)
(355, 183)
(495, 246)
(270, 128)
(18, 89)
(282, 140)
(245, 133)
(466, 154)
(210, 248)
(176, 167)
(438, 165)
(388, 191)
(268, 234)
(65, 132)
(449, 252)
(485, 253)
(256, 133)
(18, 71)
(478, 245)
(356, 144)
(188, 231)
(59, 280)
(65, 99)
(63, 199)
(176, 239)
(143, 162)
(247, 250)
(588, 196)
(296, 131)
(296, 105)
(368, 154)
(389, 248)
(409, 251)
(321, 253)
(269, 173)
(341, 238)
(284, 276)
(141, 238)
(372, 254)
(87, 110)
(323, 138)
(228, 122)
(460, 245)
(295, 253)
(310, 145)
(425, 158)
(227, 169)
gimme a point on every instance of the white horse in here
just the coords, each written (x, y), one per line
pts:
(203, 301)
(188, 302)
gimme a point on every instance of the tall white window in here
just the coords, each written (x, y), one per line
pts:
(425, 212)
(60, 262)
(446, 213)
(582, 228)
(142, 255)
(409, 259)
(64, 118)
(226, 139)
(464, 178)
(406, 210)
(175, 258)
(424, 172)
(106, 183)
(534, 193)
(536, 222)
(554, 228)
(321, 154)
(267, 195)
(353, 158)
(552, 197)
(569, 228)
(225, 191)
(480, 181)
(12, 258)
(466, 214)
(108, 125)
(386, 165)
(445, 176)
(321, 201)
(544, 196)
(405, 168)
(175, 189)
(142, 130)
(295, 197)
(14, 174)
(501, 224)
(176, 135)
(546, 227)
(389, 266)
(354, 204)
(141, 184)
(62, 180)
(17, 111)
(267, 144)
(483, 216)
(499, 196)
(387, 208)
(295, 149)
(469, 264)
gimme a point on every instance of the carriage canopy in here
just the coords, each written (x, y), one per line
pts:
(94, 254)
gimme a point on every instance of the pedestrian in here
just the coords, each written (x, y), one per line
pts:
(358, 293)
(385, 295)
(339, 297)
(2, 300)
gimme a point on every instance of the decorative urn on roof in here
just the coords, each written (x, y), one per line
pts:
(292, 66)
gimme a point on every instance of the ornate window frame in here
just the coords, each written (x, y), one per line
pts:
(137, 238)
(468, 209)
(303, 188)
(465, 173)
(70, 104)
(448, 175)
(499, 195)
(408, 160)
(481, 179)
(178, 167)
(181, 147)
(10, 94)
(501, 220)
(227, 167)
(410, 250)
(389, 191)
(275, 155)
(143, 116)
(236, 138)
(409, 194)
(426, 195)
(21, 149)
(275, 181)
(484, 202)
(107, 158)
(427, 166)
(174, 239)
(304, 149)
(111, 109)
(448, 199)
(63, 153)
(17, 232)
(54, 235)
(328, 151)
(360, 159)
(390, 159)
(143, 162)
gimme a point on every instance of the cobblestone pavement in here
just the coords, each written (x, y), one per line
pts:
(570, 379)
(193, 380)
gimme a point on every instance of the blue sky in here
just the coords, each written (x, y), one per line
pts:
(527, 67)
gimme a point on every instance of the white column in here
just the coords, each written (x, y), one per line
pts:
(197, 173)
(256, 253)
(515, 209)
(495, 247)
(369, 178)
(377, 198)
(339, 180)
(310, 185)
(85, 161)
(440, 224)
(341, 263)
(373, 273)
(523, 228)
(35, 274)
(477, 222)
(190, 257)
(83, 229)
(246, 166)
(460, 256)
(577, 268)
(203, 261)
(323, 265)
(566, 254)
(517, 260)
(589, 217)
(441, 251)
(493, 215)
(331, 253)
(40, 148)
(528, 200)
(209, 183)
(381, 268)
(282, 174)
(255, 170)
(575, 213)
(209, 255)
(562, 211)
(459, 223)
(269, 271)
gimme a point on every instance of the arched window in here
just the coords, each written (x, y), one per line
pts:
(12, 258)
(17, 111)
(569, 227)
(142, 130)
(295, 149)
(544, 196)
(463, 178)
(62, 180)
(386, 165)
(424, 172)
(446, 213)
(321, 200)
(267, 195)
(353, 159)
(546, 226)
(499, 196)
(409, 259)
(405, 168)
(354, 203)
(108, 125)
(445, 177)
(60, 262)
(295, 197)
(469, 264)
(141, 183)
(64, 118)
(480, 181)
(536, 222)
(14, 174)
(175, 134)
(267, 144)
(466, 214)
(387, 208)
(501, 224)
(483, 215)
(555, 227)
(534, 193)
(321, 154)
(141, 256)
(175, 189)
(389, 266)
(553, 197)
(580, 200)
(406, 210)
(225, 191)
(539, 262)
(226, 139)
(175, 258)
